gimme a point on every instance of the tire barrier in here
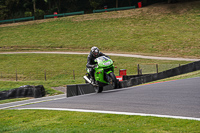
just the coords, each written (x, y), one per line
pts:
(81, 89)
(132, 80)
(23, 91)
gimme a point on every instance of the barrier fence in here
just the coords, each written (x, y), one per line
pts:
(64, 14)
(45, 74)
(17, 19)
(146, 69)
(26, 75)
(113, 9)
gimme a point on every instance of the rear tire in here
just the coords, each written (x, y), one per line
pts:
(113, 80)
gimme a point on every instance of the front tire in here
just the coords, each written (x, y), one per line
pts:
(98, 89)
(113, 80)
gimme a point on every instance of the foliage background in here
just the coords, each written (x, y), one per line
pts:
(10, 9)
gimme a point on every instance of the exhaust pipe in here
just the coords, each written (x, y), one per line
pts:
(86, 78)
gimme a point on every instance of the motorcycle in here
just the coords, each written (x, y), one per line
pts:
(104, 74)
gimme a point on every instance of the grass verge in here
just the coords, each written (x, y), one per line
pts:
(65, 121)
(13, 100)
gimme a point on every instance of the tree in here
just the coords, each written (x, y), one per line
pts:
(9, 8)
(96, 3)
(34, 6)
(172, 1)
(3, 11)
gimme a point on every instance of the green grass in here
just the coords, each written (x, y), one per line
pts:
(33, 66)
(159, 34)
(13, 100)
(65, 121)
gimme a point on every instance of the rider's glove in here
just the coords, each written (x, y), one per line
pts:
(94, 66)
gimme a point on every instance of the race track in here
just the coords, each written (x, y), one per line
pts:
(173, 98)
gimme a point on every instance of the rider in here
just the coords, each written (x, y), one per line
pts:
(94, 53)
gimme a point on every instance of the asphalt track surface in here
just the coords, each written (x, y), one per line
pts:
(179, 98)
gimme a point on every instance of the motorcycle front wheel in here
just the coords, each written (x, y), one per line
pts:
(98, 89)
(113, 80)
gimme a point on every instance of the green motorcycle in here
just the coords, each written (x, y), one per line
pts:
(104, 74)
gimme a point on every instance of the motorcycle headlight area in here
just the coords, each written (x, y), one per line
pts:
(107, 63)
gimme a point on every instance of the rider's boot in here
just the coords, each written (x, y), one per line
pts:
(92, 80)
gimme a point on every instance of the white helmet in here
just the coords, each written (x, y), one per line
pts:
(95, 51)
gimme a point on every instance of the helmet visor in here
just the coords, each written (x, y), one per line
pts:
(95, 53)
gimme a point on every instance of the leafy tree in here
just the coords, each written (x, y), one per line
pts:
(96, 3)
(3, 10)
(34, 6)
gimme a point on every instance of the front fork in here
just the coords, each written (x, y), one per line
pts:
(107, 77)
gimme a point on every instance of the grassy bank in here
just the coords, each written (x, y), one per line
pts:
(140, 31)
(64, 121)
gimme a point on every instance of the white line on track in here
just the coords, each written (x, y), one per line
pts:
(50, 97)
(114, 112)
(38, 101)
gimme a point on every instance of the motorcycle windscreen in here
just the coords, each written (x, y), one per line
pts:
(104, 61)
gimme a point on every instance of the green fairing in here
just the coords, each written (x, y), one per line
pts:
(103, 63)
